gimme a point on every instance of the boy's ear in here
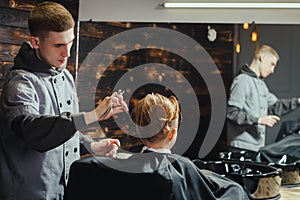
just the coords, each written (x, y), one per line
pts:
(171, 134)
(34, 41)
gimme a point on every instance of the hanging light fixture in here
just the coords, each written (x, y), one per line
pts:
(246, 26)
(254, 33)
(238, 48)
(254, 36)
(238, 5)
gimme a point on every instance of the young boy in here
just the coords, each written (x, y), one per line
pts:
(189, 182)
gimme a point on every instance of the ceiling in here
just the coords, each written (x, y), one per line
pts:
(151, 11)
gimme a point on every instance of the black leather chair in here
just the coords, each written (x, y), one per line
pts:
(90, 179)
(287, 128)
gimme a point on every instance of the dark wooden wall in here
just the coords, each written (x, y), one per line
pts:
(14, 30)
(221, 51)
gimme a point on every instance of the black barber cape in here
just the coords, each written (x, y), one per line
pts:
(148, 176)
(288, 146)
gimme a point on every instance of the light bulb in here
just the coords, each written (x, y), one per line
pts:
(238, 48)
(254, 36)
(245, 26)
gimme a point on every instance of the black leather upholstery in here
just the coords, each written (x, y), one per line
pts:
(90, 179)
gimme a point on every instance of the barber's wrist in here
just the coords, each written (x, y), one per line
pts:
(259, 121)
(90, 117)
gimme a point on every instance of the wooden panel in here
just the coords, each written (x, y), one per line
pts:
(26, 5)
(8, 52)
(14, 18)
(12, 35)
(20, 5)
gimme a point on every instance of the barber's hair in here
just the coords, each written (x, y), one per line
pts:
(49, 16)
(169, 117)
(265, 49)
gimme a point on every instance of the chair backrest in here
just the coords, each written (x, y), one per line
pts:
(287, 128)
(90, 179)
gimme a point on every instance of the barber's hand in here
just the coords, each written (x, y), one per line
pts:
(110, 106)
(105, 147)
(269, 120)
(107, 108)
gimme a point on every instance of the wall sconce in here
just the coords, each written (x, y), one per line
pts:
(238, 48)
(254, 36)
(254, 33)
(245, 26)
(254, 30)
(211, 34)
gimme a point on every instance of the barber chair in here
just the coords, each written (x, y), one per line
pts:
(91, 179)
(260, 181)
(287, 128)
(283, 154)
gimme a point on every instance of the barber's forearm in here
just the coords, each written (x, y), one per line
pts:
(43, 133)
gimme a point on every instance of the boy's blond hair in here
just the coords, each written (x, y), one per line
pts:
(166, 112)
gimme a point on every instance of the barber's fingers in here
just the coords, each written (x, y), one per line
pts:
(109, 142)
(106, 146)
(273, 120)
(111, 105)
(269, 120)
(274, 117)
(117, 101)
(112, 142)
(113, 151)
